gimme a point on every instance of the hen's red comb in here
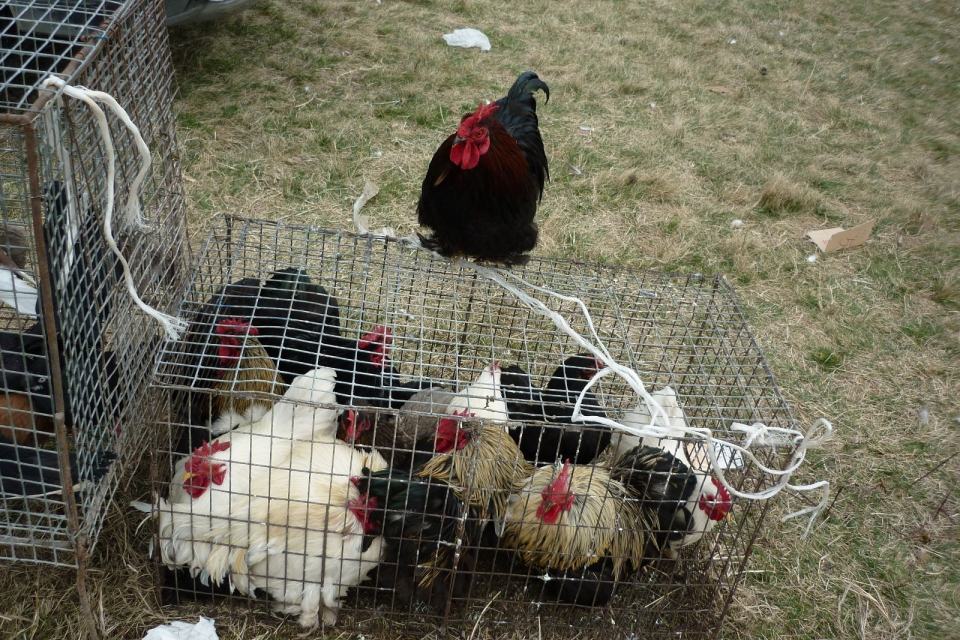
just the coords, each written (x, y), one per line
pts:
(235, 326)
(381, 335)
(484, 111)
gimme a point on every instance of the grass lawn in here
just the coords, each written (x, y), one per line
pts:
(667, 121)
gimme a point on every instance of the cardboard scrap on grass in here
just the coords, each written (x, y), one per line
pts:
(833, 239)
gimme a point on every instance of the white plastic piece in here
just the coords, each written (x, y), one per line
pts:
(468, 38)
(17, 293)
(202, 630)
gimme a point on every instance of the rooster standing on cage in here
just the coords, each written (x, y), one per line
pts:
(579, 525)
(484, 183)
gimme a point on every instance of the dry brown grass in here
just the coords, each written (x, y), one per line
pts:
(780, 196)
(288, 109)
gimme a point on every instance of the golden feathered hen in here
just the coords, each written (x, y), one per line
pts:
(245, 368)
(480, 461)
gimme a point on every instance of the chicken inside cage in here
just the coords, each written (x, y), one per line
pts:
(81, 280)
(336, 456)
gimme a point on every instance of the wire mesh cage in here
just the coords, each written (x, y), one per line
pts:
(76, 353)
(359, 433)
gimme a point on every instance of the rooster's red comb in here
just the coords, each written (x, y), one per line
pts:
(483, 112)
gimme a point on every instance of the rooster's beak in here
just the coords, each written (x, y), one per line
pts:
(457, 140)
(188, 475)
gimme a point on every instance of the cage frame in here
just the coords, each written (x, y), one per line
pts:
(223, 253)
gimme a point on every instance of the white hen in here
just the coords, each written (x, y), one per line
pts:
(225, 467)
(299, 535)
(622, 442)
(484, 398)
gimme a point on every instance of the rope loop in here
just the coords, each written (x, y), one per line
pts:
(172, 325)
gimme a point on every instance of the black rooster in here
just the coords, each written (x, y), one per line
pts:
(298, 324)
(422, 520)
(484, 183)
(662, 486)
(294, 318)
(547, 444)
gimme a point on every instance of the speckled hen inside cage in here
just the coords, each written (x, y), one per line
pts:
(82, 396)
(446, 325)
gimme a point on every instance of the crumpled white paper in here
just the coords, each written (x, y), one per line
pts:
(468, 38)
(202, 630)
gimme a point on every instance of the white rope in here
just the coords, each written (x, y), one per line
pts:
(756, 432)
(173, 326)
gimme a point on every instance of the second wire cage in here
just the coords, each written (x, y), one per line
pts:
(76, 352)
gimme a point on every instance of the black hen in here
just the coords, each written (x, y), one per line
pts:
(591, 586)
(298, 323)
(484, 183)
(546, 444)
(421, 528)
(294, 317)
(662, 486)
(83, 273)
(28, 471)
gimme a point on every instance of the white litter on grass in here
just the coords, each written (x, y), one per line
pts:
(733, 42)
(584, 127)
(202, 630)
(736, 224)
(370, 190)
(468, 38)
(812, 257)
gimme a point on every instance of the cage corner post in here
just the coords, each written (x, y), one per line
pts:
(53, 352)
